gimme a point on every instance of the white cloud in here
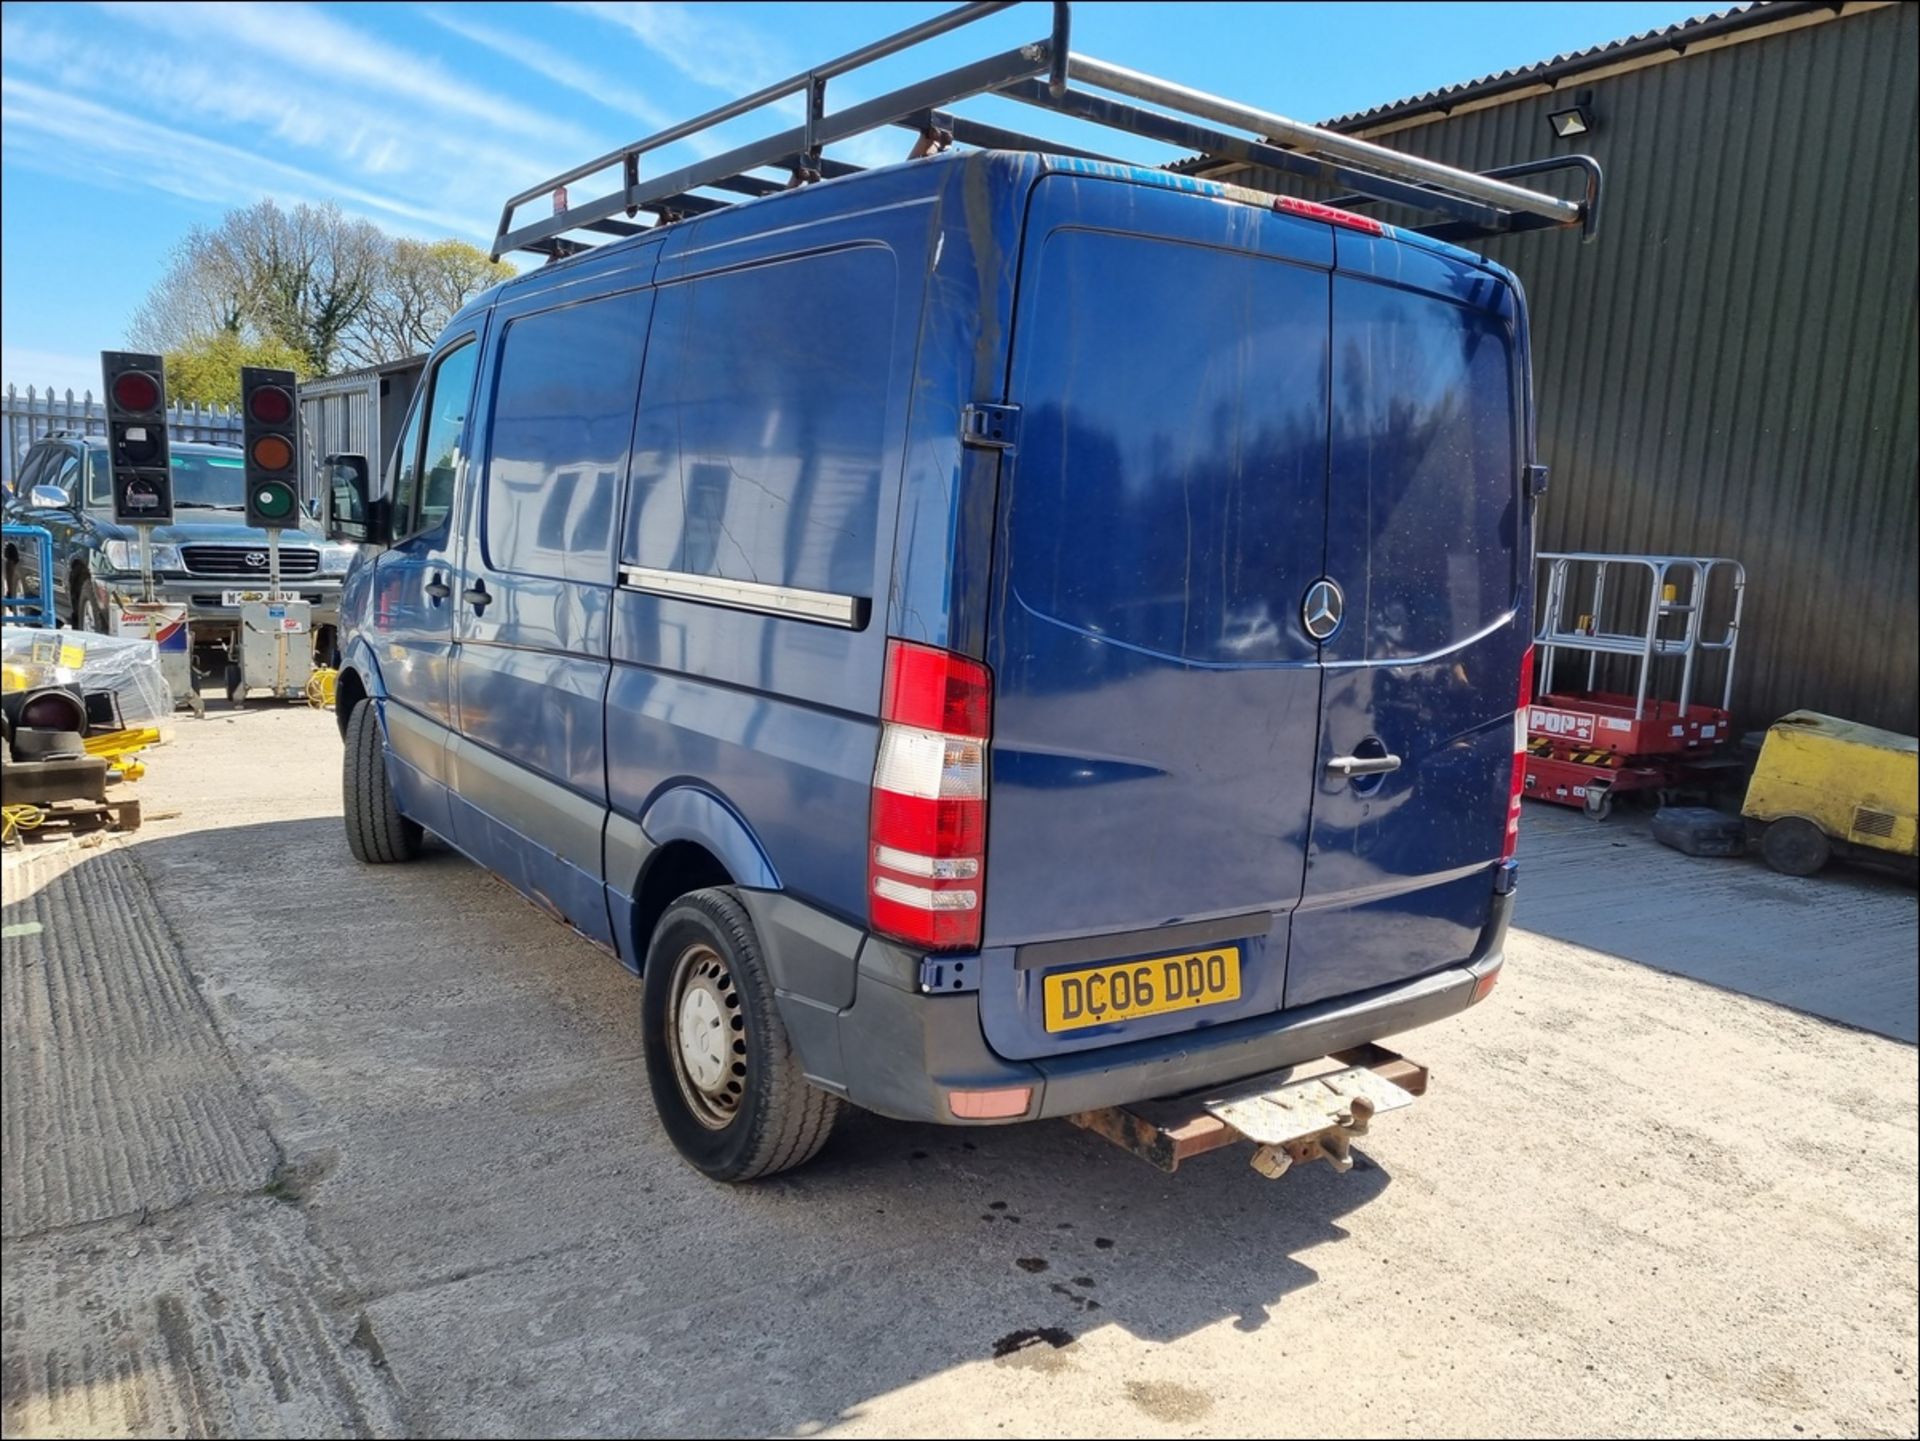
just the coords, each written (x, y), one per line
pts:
(190, 165)
(561, 69)
(707, 48)
(339, 130)
(306, 39)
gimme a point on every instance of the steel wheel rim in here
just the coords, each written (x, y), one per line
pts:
(707, 1036)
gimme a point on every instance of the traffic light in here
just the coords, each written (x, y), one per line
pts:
(271, 424)
(136, 387)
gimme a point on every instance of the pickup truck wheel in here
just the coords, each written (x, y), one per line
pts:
(377, 833)
(89, 614)
(729, 1090)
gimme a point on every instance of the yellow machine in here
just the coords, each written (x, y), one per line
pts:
(1825, 785)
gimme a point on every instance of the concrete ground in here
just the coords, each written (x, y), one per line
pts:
(294, 1147)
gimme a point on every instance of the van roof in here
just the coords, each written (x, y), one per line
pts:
(1006, 171)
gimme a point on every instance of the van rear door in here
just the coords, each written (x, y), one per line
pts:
(1156, 698)
(1428, 538)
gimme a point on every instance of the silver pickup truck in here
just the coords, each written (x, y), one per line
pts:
(207, 559)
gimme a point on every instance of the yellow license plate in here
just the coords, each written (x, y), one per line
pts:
(1132, 989)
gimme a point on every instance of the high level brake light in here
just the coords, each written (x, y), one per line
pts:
(1332, 214)
(1518, 785)
(926, 859)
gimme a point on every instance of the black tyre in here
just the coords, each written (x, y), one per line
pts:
(1795, 847)
(376, 831)
(729, 1090)
(89, 614)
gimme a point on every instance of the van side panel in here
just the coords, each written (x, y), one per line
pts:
(788, 496)
(532, 599)
(941, 587)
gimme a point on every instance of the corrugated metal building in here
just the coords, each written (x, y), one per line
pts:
(359, 412)
(1731, 367)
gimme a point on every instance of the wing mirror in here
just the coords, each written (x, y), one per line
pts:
(48, 497)
(354, 513)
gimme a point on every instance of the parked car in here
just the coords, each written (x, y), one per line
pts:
(206, 559)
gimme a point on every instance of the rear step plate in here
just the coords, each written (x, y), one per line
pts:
(1303, 1113)
(1293, 1110)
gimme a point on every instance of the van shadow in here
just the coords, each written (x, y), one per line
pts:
(457, 1080)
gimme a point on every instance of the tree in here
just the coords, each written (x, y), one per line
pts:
(422, 287)
(305, 276)
(207, 371)
(331, 288)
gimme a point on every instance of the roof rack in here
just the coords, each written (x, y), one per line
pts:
(1046, 74)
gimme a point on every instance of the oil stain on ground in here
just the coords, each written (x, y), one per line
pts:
(1168, 1401)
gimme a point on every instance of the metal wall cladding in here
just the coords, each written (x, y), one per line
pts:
(1731, 368)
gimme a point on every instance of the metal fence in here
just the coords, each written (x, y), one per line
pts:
(32, 415)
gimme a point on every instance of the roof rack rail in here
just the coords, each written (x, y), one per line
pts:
(1047, 74)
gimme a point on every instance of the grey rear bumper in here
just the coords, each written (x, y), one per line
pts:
(863, 1032)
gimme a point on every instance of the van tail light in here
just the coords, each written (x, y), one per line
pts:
(1518, 785)
(927, 843)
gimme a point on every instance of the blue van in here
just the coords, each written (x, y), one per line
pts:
(986, 638)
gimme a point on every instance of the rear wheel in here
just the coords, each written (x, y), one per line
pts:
(1795, 847)
(729, 1090)
(376, 831)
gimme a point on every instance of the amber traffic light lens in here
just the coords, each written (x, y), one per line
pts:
(139, 444)
(270, 405)
(271, 452)
(136, 390)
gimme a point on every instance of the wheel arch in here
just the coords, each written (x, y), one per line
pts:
(697, 841)
(359, 678)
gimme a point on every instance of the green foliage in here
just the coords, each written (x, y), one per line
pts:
(206, 371)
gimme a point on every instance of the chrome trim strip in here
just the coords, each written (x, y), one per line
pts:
(847, 611)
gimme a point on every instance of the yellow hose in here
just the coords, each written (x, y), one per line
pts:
(320, 688)
(15, 819)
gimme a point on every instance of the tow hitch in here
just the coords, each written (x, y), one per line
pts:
(1309, 1112)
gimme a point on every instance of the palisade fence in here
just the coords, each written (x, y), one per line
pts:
(32, 415)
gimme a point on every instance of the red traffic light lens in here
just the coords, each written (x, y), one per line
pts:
(136, 390)
(271, 452)
(270, 405)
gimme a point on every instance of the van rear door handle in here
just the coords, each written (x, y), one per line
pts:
(438, 588)
(1347, 767)
(476, 595)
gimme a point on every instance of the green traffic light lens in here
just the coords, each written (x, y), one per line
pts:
(275, 502)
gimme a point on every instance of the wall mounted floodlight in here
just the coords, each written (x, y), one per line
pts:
(1574, 120)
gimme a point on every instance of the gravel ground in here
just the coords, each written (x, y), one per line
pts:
(295, 1147)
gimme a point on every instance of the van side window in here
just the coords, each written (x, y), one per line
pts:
(424, 474)
(562, 422)
(761, 443)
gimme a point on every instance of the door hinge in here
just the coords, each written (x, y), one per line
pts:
(995, 427)
(1536, 480)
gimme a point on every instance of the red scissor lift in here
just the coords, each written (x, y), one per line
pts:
(1629, 720)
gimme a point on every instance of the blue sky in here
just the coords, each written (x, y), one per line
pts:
(123, 125)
